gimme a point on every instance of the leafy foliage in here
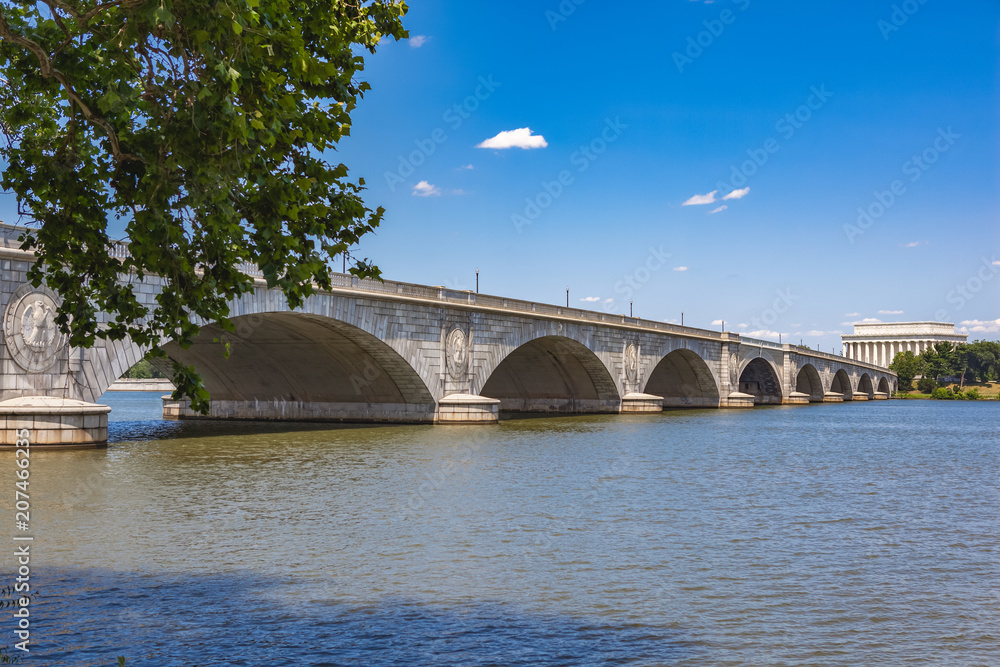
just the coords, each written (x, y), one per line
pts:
(927, 385)
(200, 126)
(983, 359)
(942, 393)
(940, 359)
(906, 366)
(142, 371)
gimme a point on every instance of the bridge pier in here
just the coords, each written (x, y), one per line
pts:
(636, 403)
(797, 398)
(468, 409)
(53, 422)
(738, 399)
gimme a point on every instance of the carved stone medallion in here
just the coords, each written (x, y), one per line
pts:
(457, 351)
(631, 362)
(30, 330)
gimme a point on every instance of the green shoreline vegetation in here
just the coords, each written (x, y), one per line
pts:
(964, 372)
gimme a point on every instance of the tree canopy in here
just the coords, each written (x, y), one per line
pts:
(201, 127)
(906, 366)
(979, 359)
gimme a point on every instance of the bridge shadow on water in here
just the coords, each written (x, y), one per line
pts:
(135, 431)
(86, 618)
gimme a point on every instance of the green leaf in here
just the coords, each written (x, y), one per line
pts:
(203, 174)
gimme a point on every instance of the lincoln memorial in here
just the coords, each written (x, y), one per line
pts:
(879, 342)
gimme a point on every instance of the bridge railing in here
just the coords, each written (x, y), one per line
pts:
(759, 342)
(805, 351)
(470, 298)
(120, 250)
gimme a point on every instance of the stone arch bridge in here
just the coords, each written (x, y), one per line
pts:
(398, 352)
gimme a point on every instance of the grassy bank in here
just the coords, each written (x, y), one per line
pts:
(988, 391)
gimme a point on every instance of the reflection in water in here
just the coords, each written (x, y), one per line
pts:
(828, 534)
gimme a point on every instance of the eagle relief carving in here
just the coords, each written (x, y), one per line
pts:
(631, 363)
(38, 326)
(457, 351)
(30, 331)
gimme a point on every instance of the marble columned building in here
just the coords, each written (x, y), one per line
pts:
(879, 342)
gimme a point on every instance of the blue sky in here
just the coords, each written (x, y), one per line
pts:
(671, 99)
(787, 257)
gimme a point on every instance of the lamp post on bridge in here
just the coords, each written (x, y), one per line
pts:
(567, 296)
(477, 280)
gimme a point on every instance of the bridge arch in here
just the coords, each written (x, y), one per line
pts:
(883, 386)
(865, 387)
(552, 374)
(841, 384)
(302, 365)
(809, 382)
(683, 379)
(762, 380)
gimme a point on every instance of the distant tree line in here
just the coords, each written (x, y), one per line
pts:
(972, 362)
(142, 371)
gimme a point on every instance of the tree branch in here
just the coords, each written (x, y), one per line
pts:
(50, 72)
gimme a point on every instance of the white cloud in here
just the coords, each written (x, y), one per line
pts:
(680, 268)
(698, 200)
(718, 210)
(519, 138)
(591, 299)
(738, 194)
(870, 320)
(980, 326)
(417, 41)
(763, 333)
(716, 322)
(425, 189)
(996, 262)
(608, 300)
(852, 314)
(913, 244)
(890, 312)
(467, 166)
(742, 325)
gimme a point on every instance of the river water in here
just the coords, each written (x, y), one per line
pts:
(861, 533)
